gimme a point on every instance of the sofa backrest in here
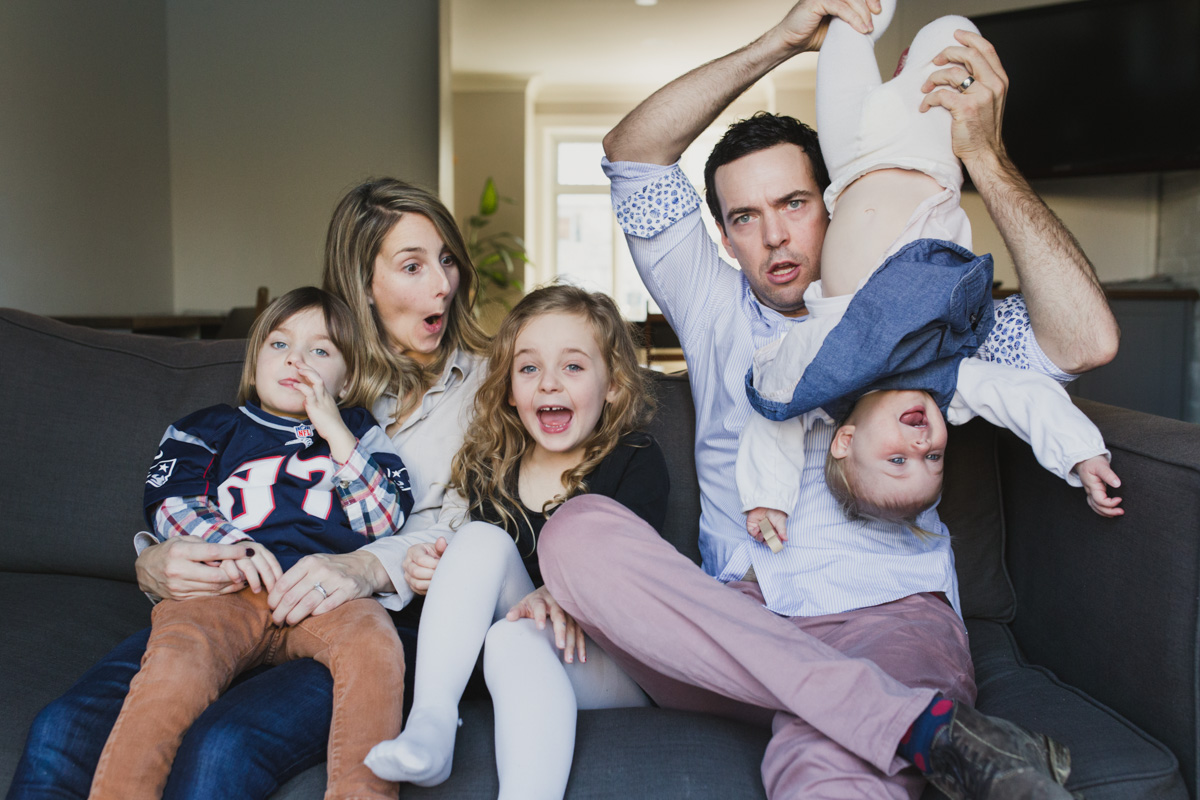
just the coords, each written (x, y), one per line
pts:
(82, 412)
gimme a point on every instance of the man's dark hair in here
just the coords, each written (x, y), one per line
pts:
(759, 132)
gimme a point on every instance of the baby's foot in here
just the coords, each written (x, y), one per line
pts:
(422, 754)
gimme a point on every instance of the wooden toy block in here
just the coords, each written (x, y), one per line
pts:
(769, 535)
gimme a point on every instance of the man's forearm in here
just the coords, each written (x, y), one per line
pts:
(1067, 308)
(664, 124)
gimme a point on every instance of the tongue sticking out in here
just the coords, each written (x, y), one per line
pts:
(915, 417)
(554, 420)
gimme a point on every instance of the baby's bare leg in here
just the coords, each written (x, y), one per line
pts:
(870, 214)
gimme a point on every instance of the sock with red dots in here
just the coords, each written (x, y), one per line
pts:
(918, 739)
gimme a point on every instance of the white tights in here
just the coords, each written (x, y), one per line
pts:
(480, 577)
(865, 124)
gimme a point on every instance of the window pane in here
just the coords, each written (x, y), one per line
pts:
(579, 164)
(585, 248)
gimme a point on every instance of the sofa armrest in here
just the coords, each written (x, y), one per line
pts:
(1111, 606)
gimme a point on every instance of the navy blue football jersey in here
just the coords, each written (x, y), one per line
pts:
(272, 477)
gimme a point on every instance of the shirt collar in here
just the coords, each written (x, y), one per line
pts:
(458, 367)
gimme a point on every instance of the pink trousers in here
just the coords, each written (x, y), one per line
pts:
(198, 646)
(839, 690)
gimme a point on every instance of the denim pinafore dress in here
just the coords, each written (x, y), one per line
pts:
(924, 310)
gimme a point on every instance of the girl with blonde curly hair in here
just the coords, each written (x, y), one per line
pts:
(557, 415)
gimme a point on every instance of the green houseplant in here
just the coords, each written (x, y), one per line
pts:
(499, 256)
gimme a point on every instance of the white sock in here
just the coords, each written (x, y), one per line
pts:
(479, 578)
(866, 125)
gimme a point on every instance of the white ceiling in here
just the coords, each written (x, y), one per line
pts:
(611, 42)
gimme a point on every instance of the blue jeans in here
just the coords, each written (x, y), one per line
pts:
(271, 724)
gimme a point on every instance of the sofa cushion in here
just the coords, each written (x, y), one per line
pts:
(674, 427)
(55, 628)
(118, 393)
(634, 752)
(1110, 757)
(971, 510)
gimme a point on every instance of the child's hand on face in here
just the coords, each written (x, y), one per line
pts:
(1097, 476)
(322, 410)
(259, 568)
(777, 518)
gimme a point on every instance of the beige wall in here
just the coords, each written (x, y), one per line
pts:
(277, 107)
(85, 211)
(489, 141)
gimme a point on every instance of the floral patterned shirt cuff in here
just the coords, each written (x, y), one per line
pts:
(658, 205)
(1012, 342)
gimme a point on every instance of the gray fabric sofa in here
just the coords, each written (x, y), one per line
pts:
(1083, 628)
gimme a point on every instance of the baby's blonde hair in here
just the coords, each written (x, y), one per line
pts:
(485, 470)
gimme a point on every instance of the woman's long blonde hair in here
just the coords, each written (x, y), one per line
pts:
(485, 470)
(361, 221)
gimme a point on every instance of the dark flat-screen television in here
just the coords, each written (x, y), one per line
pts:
(1100, 86)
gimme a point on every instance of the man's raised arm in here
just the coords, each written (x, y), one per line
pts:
(1067, 308)
(664, 124)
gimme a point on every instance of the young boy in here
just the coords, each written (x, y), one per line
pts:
(288, 474)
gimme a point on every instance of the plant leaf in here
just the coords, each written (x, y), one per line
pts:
(489, 201)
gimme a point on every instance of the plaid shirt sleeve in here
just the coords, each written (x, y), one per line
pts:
(195, 516)
(373, 503)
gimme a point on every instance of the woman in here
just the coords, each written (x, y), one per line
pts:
(396, 256)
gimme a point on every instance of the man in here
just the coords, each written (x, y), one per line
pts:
(849, 636)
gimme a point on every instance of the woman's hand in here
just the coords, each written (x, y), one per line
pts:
(342, 577)
(420, 562)
(184, 567)
(568, 636)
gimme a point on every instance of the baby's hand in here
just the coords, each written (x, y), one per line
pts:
(1097, 476)
(778, 521)
(259, 568)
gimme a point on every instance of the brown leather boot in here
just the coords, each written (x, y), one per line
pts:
(976, 756)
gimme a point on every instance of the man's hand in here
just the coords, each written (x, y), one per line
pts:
(1097, 476)
(420, 562)
(568, 636)
(777, 518)
(977, 112)
(804, 27)
(185, 566)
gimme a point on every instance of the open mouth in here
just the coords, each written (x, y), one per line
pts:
(782, 271)
(554, 419)
(914, 417)
(433, 323)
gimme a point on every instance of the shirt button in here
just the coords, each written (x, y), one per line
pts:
(345, 484)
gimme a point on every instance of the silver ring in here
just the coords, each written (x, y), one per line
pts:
(318, 587)
(966, 84)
